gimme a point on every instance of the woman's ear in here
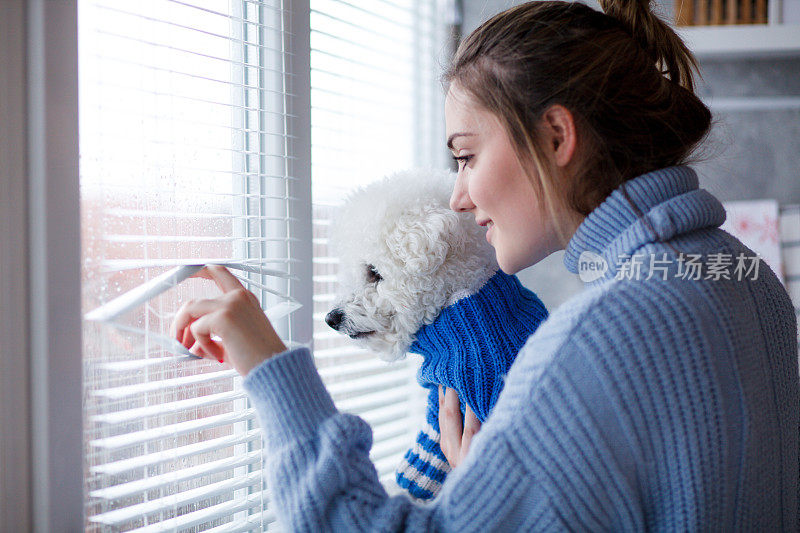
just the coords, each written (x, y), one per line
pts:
(558, 126)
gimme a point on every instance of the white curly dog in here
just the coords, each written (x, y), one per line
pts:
(404, 255)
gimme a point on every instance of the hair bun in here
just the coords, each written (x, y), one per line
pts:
(636, 16)
(656, 38)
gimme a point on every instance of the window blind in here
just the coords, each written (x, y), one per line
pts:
(376, 107)
(185, 159)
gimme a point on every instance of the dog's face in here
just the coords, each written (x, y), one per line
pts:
(395, 282)
(365, 311)
(400, 263)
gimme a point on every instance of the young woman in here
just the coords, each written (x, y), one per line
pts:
(664, 396)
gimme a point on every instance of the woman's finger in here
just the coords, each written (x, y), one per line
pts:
(202, 331)
(471, 426)
(207, 348)
(188, 312)
(187, 337)
(456, 433)
(443, 443)
(452, 431)
(221, 276)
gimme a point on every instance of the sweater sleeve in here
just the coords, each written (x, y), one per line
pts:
(322, 479)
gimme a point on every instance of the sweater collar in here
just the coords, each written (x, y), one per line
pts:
(671, 203)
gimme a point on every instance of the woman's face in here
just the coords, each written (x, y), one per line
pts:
(492, 185)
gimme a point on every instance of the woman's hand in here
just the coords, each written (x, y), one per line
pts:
(455, 441)
(247, 337)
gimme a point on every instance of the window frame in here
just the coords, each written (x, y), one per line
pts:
(14, 436)
(41, 429)
(43, 364)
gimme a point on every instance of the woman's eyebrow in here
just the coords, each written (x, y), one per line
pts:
(457, 134)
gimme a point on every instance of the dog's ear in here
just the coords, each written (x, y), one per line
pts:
(421, 239)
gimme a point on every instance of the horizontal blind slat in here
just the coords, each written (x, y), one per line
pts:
(126, 415)
(141, 213)
(115, 265)
(136, 364)
(385, 415)
(384, 432)
(176, 25)
(254, 522)
(390, 447)
(122, 187)
(357, 82)
(341, 351)
(171, 430)
(210, 514)
(136, 487)
(366, 26)
(368, 384)
(261, 4)
(321, 38)
(149, 67)
(367, 365)
(153, 459)
(119, 517)
(116, 393)
(184, 99)
(386, 467)
(366, 402)
(145, 239)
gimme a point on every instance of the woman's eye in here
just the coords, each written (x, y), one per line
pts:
(372, 274)
(462, 160)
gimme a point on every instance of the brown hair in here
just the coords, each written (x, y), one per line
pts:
(625, 76)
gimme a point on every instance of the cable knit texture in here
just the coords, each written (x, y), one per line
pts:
(639, 404)
(469, 347)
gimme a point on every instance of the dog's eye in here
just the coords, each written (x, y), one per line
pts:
(372, 274)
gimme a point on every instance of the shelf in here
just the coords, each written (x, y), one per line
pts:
(756, 40)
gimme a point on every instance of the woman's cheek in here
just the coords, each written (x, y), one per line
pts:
(480, 187)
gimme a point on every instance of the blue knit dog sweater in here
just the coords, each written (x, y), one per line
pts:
(469, 347)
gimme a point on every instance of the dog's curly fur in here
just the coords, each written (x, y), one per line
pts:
(404, 255)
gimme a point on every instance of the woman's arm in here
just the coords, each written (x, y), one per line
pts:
(321, 476)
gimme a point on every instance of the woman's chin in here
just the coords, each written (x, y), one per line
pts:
(511, 264)
(507, 266)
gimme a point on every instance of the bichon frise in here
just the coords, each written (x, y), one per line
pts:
(416, 276)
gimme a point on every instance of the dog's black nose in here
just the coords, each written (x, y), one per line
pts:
(334, 318)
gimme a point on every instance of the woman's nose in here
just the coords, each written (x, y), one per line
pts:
(460, 200)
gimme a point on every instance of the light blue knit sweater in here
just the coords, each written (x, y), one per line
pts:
(661, 404)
